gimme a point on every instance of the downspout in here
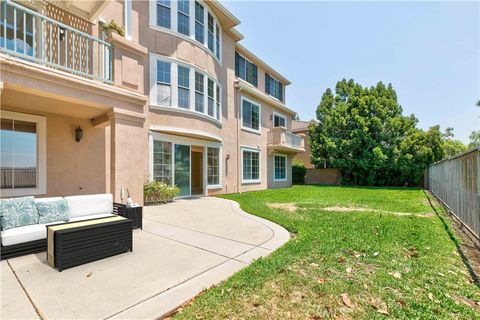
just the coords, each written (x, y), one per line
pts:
(239, 87)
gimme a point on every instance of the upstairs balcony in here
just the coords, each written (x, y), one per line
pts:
(281, 140)
(31, 36)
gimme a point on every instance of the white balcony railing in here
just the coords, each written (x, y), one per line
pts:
(281, 139)
(31, 36)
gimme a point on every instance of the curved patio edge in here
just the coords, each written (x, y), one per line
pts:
(168, 301)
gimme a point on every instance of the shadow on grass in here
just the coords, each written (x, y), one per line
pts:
(454, 239)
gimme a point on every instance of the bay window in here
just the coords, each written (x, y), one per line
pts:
(178, 85)
(193, 20)
(162, 161)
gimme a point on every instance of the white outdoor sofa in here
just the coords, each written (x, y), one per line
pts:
(33, 238)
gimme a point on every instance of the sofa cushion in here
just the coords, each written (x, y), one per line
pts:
(90, 204)
(52, 211)
(93, 216)
(18, 212)
(24, 234)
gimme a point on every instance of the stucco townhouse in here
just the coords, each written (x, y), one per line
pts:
(177, 98)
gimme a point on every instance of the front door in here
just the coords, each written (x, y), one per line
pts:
(182, 169)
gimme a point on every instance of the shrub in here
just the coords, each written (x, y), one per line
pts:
(298, 172)
(155, 192)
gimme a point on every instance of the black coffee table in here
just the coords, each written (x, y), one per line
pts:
(75, 243)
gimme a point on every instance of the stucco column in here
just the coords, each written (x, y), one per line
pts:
(129, 155)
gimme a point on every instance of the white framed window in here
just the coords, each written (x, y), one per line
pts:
(175, 84)
(163, 162)
(250, 165)
(279, 167)
(164, 18)
(183, 87)
(164, 88)
(128, 19)
(183, 18)
(23, 154)
(191, 20)
(279, 120)
(213, 166)
(251, 115)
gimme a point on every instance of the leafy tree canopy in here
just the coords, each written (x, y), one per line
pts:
(363, 132)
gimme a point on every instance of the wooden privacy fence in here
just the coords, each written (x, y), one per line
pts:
(329, 176)
(456, 182)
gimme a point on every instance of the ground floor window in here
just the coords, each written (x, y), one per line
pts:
(280, 168)
(22, 145)
(213, 166)
(250, 165)
(162, 161)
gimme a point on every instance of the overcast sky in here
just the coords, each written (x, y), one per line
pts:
(429, 51)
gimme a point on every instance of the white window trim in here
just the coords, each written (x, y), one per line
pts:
(280, 116)
(219, 185)
(242, 98)
(190, 142)
(41, 154)
(251, 149)
(173, 30)
(128, 19)
(286, 167)
(174, 89)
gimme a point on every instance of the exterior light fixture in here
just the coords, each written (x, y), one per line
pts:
(78, 134)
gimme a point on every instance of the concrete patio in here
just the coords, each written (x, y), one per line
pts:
(184, 247)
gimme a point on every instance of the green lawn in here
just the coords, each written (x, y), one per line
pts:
(358, 253)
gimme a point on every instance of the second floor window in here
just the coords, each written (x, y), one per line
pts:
(273, 87)
(164, 89)
(184, 17)
(211, 30)
(279, 120)
(199, 91)
(246, 70)
(163, 13)
(250, 115)
(211, 98)
(183, 87)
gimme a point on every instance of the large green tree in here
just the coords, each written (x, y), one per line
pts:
(363, 132)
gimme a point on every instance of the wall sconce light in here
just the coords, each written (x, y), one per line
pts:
(78, 134)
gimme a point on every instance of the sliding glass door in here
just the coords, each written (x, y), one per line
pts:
(182, 168)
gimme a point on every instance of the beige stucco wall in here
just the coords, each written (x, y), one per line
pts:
(117, 153)
(305, 156)
(73, 167)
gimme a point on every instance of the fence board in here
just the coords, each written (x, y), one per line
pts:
(456, 181)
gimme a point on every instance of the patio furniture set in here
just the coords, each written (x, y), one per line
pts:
(72, 230)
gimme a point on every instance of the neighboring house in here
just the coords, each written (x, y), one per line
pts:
(177, 99)
(301, 128)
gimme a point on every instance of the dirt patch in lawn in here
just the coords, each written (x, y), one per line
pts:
(289, 206)
(356, 209)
